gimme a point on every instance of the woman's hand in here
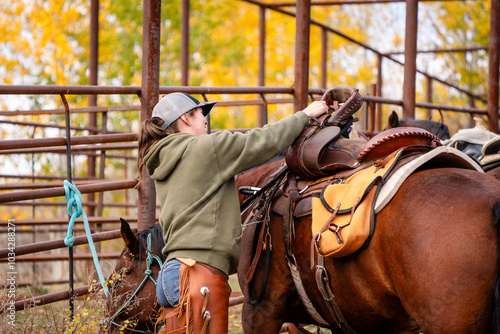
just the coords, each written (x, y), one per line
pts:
(316, 109)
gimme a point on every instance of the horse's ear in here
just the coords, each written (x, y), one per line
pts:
(131, 241)
(393, 120)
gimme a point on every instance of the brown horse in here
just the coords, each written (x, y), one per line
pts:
(495, 172)
(133, 304)
(431, 264)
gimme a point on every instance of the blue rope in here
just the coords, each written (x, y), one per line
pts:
(75, 210)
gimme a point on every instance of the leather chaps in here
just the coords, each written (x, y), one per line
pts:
(203, 303)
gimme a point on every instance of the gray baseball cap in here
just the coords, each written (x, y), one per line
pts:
(174, 105)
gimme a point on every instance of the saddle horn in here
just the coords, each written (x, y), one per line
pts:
(347, 95)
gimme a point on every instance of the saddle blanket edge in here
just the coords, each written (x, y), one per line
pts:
(390, 188)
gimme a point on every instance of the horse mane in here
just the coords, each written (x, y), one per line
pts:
(157, 241)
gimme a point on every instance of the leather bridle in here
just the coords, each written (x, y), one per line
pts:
(148, 275)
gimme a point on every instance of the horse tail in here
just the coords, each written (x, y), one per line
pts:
(496, 314)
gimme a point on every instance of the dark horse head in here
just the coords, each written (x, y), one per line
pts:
(438, 129)
(132, 287)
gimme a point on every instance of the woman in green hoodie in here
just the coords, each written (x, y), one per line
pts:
(200, 216)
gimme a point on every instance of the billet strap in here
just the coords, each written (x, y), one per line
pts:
(490, 166)
(324, 287)
(288, 222)
(255, 302)
(258, 250)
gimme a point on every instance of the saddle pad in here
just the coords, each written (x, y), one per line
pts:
(490, 159)
(490, 152)
(342, 218)
(491, 147)
(443, 156)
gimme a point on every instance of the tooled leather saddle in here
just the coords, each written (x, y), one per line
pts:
(328, 151)
(310, 157)
(328, 145)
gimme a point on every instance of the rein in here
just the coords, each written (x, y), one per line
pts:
(258, 192)
(262, 213)
(148, 274)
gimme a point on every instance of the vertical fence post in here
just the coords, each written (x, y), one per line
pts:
(371, 108)
(262, 117)
(150, 90)
(185, 43)
(410, 69)
(472, 104)
(493, 66)
(366, 119)
(302, 29)
(70, 179)
(429, 96)
(324, 57)
(378, 107)
(93, 69)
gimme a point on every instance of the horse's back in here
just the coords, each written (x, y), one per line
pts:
(432, 259)
(439, 244)
(431, 263)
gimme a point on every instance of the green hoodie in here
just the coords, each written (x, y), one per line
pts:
(194, 177)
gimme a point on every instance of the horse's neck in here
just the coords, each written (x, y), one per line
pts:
(260, 176)
(436, 128)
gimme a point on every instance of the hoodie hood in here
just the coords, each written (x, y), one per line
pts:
(165, 154)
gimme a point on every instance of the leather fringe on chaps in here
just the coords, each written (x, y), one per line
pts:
(185, 304)
(203, 303)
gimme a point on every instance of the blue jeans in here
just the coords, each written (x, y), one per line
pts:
(167, 284)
